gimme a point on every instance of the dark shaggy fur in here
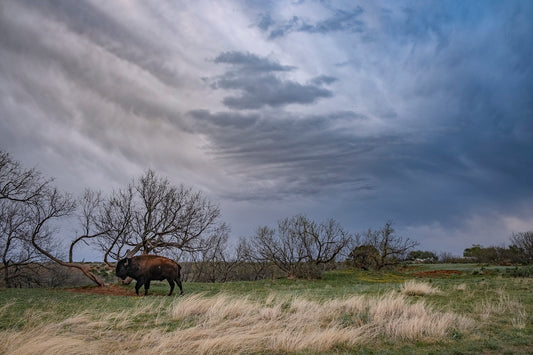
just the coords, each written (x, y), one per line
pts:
(145, 268)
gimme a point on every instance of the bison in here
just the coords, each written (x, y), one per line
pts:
(145, 268)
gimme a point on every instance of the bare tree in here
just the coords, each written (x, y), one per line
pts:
(322, 242)
(215, 262)
(300, 246)
(30, 208)
(15, 250)
(19, 188)
(18, 184)
(282, 250)
(110, 221)
(251, 259)
(152, 215)
(51, 206)
(88, 207)
(363, 257)
(384, 247)
(523, 241)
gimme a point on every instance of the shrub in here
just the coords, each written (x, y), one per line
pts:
(524, 271)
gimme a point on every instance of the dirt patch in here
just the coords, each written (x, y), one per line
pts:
(110, 290)
(437, 273)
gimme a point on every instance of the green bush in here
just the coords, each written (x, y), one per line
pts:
(524, 271)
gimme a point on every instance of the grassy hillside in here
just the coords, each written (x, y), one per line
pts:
(427, 309)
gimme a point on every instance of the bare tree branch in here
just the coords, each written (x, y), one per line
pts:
(300, 246)
(152, 215)
(381, 248)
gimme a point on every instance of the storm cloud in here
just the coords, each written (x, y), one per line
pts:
(259, 86)
(420, 113)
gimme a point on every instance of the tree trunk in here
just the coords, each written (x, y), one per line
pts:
(90, 275)
(83, 268)
(6, 275)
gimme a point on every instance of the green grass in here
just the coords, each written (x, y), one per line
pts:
(501, 307)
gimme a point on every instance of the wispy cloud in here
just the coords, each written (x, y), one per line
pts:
(340, 21)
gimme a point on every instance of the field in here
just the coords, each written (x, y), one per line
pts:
(444, 309)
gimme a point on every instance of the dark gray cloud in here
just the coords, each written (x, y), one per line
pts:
(259, 85)
(303, 155)
(224, 119)
(464, 148)
(265, 22)
(340, 21)
(468, 153)
(268, 90)
(324, 79)
(250, 62)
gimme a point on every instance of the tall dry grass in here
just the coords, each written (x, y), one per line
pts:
(503, 306)
(198, 324)
(417, 288)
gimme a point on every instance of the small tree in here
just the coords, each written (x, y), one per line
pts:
(52, 206)
(424, 256)
(363, 257)
(18, 187)
(382, 247)
(523, 241)
(16, 251)
(151, 215)
(214, 262)
(30, 207)
(256, 266)
(300, 246)
(482, 254)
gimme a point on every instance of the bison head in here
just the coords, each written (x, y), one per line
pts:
(122, 268)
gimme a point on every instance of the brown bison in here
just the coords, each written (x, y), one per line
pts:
(145, 268)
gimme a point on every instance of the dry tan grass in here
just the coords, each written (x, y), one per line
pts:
(230, 324)
(416, 288)
(503, 306)
(461, 287)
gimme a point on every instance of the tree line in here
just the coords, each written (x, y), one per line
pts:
(150, 215)
(520, 251)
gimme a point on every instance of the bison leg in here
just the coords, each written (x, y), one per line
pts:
(178, 281)
(146, 287)
(171, 283)
(138, 285)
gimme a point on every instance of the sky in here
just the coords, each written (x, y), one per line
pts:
(415, 112)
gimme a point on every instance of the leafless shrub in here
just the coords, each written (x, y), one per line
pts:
(377, 249)
(299, 246)
(523, 242)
